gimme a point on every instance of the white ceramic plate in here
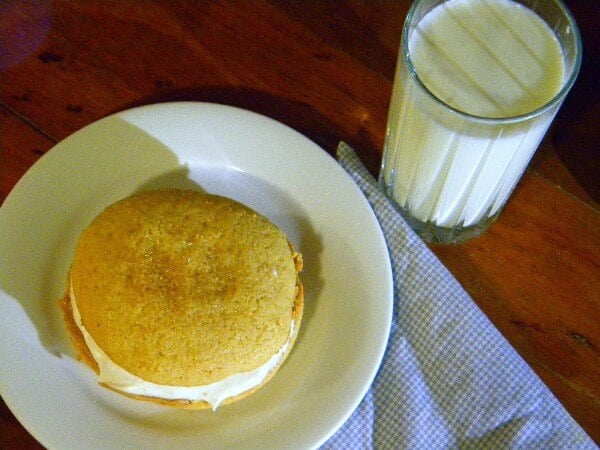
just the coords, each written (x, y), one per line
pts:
(224, 150)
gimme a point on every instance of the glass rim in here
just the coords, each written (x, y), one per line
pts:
(556, 99)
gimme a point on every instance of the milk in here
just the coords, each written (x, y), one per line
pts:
(488, 59)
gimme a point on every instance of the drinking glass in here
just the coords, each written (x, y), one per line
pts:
(477, 84)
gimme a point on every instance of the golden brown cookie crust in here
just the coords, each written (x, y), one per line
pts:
(184, 288)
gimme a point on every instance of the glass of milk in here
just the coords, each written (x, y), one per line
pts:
(477, 85)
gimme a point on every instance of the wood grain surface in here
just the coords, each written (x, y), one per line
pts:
(326, 69)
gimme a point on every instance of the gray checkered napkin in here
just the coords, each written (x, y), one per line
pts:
(448, 379)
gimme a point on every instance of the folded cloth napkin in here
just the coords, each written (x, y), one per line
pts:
(449, 379)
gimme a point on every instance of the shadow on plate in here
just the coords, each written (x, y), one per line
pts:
(301, 116)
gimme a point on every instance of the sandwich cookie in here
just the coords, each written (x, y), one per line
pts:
(183, 298)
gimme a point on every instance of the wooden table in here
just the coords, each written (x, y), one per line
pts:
(325, 69)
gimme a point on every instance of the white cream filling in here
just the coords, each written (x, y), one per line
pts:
(118, 378)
